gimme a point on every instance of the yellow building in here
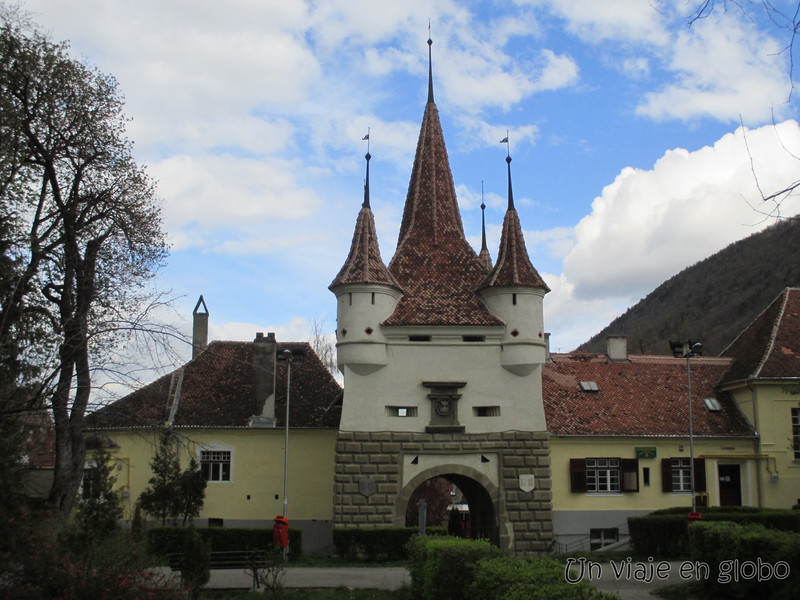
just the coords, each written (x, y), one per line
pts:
(619, 427)
(226, 407)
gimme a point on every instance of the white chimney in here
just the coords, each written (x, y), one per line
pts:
(617, 348)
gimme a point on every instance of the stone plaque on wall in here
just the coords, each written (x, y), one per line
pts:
(367, 487)
(527, 483)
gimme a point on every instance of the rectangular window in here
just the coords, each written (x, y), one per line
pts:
(599, 538)
(216, 465)
(604, 475)
(796, 432)
(473, 338)
(419, 338)
(681, 473)
(90, 485)
(486, 411)
(676, 474)
(401, 411)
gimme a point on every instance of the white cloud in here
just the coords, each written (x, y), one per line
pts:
(558, 72)
(722, 69)
(219, 192)
(297, 329)
(596, 21)
(648, 225)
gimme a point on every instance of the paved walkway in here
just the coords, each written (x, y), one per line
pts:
(390, 578)
(384, 578)
(628, 582)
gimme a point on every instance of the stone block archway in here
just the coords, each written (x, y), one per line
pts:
(376, 472)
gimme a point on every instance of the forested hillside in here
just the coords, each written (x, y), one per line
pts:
(714, 299)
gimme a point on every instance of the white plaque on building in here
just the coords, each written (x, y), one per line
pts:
(527, 482)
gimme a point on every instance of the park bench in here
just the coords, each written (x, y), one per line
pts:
(226, 559)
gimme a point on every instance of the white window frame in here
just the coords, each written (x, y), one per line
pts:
(88, 467)
(218, 447)
(603, 476)
(681, 473)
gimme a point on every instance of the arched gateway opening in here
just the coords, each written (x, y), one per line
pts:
(480, 496)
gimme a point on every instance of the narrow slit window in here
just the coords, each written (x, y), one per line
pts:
(401, 411)
(419, 338)
(486, 411)
(473, 338)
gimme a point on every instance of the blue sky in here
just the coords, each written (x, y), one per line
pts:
(629, 163)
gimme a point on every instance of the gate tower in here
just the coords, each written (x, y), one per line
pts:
(442, 356)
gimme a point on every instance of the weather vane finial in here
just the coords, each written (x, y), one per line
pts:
(508, 145)
(430, 66)
(366, 137)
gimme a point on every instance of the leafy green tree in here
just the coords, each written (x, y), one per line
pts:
(191, 491)
(173, 493)
(82, 233)
(100, 509)
(159, 498)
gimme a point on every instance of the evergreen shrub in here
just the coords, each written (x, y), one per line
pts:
(742, 560)
(509, 578)
(663, 533)
(376, 544)
(442, 568)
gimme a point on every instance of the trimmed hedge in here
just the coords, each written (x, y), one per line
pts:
(740, 555)
(528, 579)
(663, 533)
(169, 540)
(459, 569)
(376, 544)
(442, 568)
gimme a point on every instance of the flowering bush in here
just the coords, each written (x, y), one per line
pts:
(45, 566)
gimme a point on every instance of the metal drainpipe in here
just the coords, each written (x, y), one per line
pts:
(756, 442)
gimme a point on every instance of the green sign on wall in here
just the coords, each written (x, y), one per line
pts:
(645, 452)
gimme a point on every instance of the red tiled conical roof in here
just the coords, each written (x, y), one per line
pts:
(435, 265)
(364, 263)
(513, 265)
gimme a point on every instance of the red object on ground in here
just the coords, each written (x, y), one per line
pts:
(280, 531)
(694, 516)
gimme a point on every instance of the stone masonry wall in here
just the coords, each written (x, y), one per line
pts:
(369, 479)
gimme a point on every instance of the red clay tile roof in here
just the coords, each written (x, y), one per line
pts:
(513, 265)
(646, 396)
(364, 263)
(218, 391)
(434, 264)
(770, 346)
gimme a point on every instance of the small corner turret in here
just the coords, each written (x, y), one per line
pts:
(514, 291)
(366, 294)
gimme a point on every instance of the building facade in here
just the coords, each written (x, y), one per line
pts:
(442, 357)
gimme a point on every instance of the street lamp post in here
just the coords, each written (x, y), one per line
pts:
(288, 356)
(687, 350)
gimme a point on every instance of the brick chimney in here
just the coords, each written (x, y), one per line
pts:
(617, 348)
(264, 349)
(199, 327)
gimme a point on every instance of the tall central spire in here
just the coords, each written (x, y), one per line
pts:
(434, 264)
